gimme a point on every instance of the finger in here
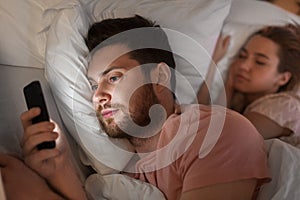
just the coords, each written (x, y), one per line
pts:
(27, 116)
(219, 42)
(220, 38)
(30, 145)
(39, 127)
(226, 41)
(37, 159)
(36, 129)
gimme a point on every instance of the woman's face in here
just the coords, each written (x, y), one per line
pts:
(255, 69)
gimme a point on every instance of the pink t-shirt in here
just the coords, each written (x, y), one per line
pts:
(284, 109)
(203, 146)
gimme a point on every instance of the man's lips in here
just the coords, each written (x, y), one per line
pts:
(107, 113)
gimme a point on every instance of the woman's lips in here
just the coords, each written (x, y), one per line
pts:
(241, 77)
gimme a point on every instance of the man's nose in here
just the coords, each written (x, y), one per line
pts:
(101, 95)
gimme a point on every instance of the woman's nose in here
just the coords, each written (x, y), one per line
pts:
(245, 65)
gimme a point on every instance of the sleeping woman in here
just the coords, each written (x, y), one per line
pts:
(263, 81)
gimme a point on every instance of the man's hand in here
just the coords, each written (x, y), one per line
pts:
(47, 161)
(21, 182)
(56, 165)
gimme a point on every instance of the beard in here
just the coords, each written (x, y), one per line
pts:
(135, 122)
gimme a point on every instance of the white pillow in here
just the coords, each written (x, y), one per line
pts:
(66, 65)
(198, 23)
(118, 186)
(23, 32)
(246, 17)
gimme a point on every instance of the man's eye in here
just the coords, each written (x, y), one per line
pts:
(113, 79)
(94, 87)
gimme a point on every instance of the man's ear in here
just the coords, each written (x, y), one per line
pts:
(161, 77)
(284, 78)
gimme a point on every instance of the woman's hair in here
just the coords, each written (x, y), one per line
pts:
(288, 40)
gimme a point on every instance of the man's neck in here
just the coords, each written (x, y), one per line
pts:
(145, 145)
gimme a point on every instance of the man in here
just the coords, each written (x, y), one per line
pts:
(132, 76)
(128, 77)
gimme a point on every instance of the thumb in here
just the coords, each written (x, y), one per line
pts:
(226, 41)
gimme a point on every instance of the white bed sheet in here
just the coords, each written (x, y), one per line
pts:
(284, 162)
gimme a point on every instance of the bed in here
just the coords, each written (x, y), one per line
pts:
(44, 40)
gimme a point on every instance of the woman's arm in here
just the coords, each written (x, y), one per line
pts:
(221, 47)
(267, 127)
(227, 94)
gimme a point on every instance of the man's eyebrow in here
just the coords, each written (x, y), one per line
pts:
(110, 69)
(90, 79)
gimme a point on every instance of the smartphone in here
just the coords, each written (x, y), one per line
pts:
(34, 98)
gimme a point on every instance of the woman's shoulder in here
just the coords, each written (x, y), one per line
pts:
(288, 100)
(283, 108)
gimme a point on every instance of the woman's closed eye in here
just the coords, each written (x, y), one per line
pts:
(260, 63)
(242, 54)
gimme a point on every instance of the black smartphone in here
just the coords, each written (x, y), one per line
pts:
(34, 98)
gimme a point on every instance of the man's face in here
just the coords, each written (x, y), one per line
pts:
(121, 100)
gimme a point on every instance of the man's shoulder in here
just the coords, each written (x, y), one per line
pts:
(213, 121)
(211, 111)
(205, 119)
(221, 124)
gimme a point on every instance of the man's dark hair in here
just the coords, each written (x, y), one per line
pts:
(148, 42)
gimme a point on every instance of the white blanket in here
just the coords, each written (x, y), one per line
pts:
(284, 162)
